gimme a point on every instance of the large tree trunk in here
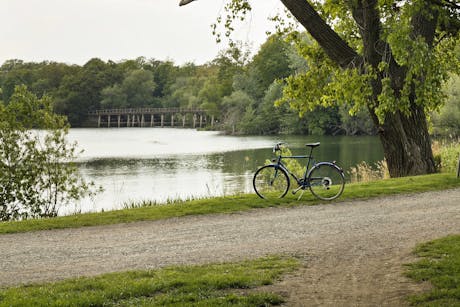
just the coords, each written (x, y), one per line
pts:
(405, 138)
(406, 143)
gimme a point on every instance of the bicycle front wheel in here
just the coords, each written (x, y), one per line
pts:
(326, 181)
(271, 181)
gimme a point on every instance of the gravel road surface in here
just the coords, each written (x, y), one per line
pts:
(352, 251)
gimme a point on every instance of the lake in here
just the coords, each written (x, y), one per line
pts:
(160, 164)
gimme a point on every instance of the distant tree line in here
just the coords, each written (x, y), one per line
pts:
(238, 90)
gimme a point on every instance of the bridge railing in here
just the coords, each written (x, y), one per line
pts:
(145, 111)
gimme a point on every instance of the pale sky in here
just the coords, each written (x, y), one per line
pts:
(74, 31)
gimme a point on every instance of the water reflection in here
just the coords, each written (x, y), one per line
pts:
(199, 164)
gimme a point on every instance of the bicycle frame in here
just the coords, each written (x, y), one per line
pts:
(302, 182)
(279, 164)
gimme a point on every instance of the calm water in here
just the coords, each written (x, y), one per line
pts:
(139, 164)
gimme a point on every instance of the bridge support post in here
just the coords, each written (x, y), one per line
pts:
(162, 120)
(127, 120)
(194, 120)
(108, 121)
(201, 120)
(212, 121)
(119, 121)
(152, 120)
(172, 120)
(183, 121)
(99, 121)
(142, 120)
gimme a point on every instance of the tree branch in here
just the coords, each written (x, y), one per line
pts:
(332, 44)
(185, 2)
(424, 25)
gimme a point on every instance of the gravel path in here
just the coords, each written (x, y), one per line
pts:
(352, 251)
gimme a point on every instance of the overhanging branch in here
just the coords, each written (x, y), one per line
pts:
(332, 44)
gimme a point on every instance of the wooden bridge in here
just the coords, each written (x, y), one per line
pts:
(151, 117)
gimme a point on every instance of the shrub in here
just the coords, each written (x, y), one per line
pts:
(37, 175)
(292, 165)
(447, 155)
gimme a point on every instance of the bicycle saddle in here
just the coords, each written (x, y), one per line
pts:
(313, 145)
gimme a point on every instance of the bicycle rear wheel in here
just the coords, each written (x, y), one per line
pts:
(326, 181)
(271, 181)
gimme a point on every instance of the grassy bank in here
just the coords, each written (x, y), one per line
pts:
(233, 204)
(211, 285)
(440, 265)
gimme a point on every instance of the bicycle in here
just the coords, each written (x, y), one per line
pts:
(325, 180)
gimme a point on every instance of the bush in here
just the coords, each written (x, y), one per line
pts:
(292, 165)
(447, 155)
(37, 175)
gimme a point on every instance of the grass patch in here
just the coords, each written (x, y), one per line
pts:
(231, 204)
(441, 267)
(207, 285)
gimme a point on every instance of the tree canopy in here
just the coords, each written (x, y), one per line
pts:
(215, 87)
(389, 57)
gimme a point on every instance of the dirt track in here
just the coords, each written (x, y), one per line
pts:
(353, 251)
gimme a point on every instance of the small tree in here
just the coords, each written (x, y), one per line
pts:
(37, 176)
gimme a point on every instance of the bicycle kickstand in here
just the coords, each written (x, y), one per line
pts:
(297, 190)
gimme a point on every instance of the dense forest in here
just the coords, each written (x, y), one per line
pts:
(240, 91)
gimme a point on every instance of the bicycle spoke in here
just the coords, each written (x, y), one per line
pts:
(270, 182)
(326, 182)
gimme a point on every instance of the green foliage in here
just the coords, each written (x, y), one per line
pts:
(236, 10)
(449, 155)
(81, 91)
(426, 68)
(331, 100)
(206, 285)
(215, 87)
(357, 124)
(271, 62)
(293, 165)
(446, 122)
(136, 90)
(440, 265)
(235, 106)
(36, 173)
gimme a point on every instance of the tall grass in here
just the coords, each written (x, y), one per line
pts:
(145, 203)
(446, 155)
(364, 172)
